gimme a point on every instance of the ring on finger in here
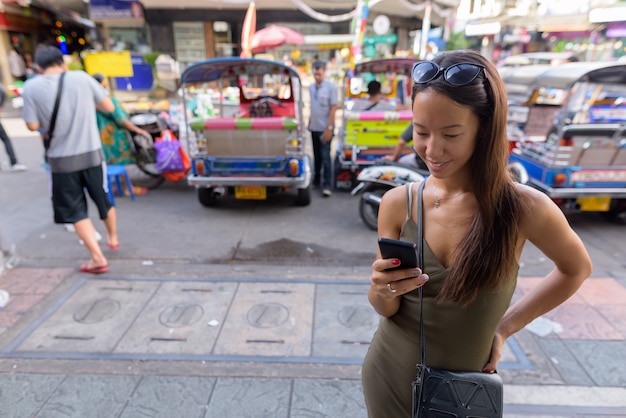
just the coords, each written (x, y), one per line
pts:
(391, 289)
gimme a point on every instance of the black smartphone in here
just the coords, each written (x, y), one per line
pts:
(403, 250)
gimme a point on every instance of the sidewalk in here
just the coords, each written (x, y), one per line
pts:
(261, 344)
(184, 337)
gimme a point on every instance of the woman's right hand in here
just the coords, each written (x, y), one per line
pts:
(391, 284)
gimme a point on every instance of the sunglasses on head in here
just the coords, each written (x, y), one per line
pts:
(458, 75)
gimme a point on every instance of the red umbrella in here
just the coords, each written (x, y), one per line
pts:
(274, 36)
(247, 31)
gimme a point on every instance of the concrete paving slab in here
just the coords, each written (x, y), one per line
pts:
(327, 398)
(565, 362)
(167, 397)
(22, 394)
(27, 287)
(92, 396)
(570, 396)
(344, 321)
(269, 319)
(250, 398)
(93, 319)
(584, 322)
(536, 366)
(604, 361)
(182, 317)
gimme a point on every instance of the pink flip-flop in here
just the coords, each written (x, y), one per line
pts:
(93, 270)
(113, 246)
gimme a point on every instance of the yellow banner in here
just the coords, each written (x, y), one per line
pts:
(109, 64)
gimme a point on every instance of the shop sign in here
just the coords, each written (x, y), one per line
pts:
(391, 38)
(18, 23)
(369, 51)
(518, 35)
(109, 63)
(616, 30)
(116, 9)
(336, 45)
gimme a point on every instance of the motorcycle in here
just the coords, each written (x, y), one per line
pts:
(375, 180)
(143, 149)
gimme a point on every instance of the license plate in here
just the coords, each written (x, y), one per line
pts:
(594, 204)
(251, 192)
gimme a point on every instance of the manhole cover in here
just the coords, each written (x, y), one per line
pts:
(267, 315)
(98, 311)
(357, 316)
(181, 315)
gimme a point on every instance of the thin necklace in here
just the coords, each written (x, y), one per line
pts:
(439, 199)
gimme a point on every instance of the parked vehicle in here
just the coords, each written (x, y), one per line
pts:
(366, 136)
(143, 149)
(375, 180)
(519, 83)
(574, 148)
(533, 58)
(260, 150)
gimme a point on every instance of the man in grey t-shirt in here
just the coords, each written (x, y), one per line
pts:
(75, 152)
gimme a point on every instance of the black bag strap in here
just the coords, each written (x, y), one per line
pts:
(370, 107)
(55, 110)
(420, 260)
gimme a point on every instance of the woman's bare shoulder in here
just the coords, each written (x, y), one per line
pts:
(541, 212)
(393, 206)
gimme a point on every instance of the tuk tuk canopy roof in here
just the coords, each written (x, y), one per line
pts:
(565, 75)
(216, 68)
(522, 75)
(386, 65)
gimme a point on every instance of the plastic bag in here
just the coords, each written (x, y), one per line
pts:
(171, 158)
(168, 157)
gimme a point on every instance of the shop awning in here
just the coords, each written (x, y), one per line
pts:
(487, 26)
(613, 13)
(329, 41)
(62, 13)
(569, 23)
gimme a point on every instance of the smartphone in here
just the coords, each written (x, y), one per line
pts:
(403, 250)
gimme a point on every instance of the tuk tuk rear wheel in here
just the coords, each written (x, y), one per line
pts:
(369, 210)
(207, 197)
(304, 196)
(616, 212)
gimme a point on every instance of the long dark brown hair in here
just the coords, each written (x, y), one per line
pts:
(486, 254)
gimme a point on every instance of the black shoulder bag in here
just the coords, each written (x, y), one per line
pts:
(47, 137)
(438, 393)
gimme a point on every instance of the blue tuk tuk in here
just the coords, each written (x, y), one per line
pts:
(245, 130)
(574, 144)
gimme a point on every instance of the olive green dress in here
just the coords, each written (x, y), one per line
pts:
(457, 338)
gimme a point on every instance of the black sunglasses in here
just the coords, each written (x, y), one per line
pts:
(458, 75)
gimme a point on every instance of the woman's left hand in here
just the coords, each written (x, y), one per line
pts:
(496, 353)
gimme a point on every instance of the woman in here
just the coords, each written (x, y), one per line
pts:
(113, 129)
(476, 222)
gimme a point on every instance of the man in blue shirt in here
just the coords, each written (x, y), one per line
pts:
(323, 95)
